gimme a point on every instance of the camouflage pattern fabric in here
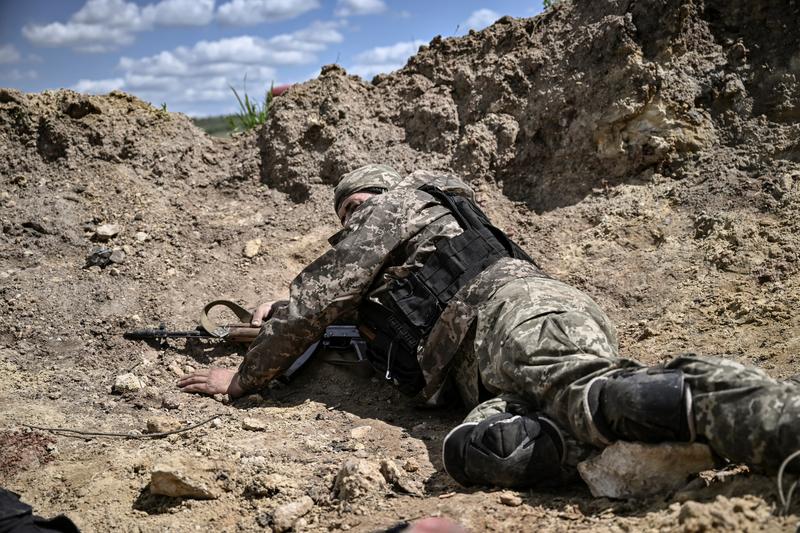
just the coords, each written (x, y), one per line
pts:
(543, 341)
(512, 330)
(387, 237)
(744, 414)
(366, 177)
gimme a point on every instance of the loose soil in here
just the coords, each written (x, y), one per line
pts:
(647, 152)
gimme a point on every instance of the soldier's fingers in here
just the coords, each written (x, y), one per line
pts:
(204, 372)
(261, 312)
(198, 387)
(194, 378)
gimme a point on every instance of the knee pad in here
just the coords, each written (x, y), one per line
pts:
(504, 450)
(646, 405)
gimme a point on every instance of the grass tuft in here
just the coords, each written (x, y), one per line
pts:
(251, 113)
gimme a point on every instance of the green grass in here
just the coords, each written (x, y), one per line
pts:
(251, 112)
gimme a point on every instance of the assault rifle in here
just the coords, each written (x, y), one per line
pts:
(336, 337)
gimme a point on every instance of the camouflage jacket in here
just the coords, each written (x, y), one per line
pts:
(388, 237)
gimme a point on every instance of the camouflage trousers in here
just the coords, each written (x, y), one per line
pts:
(540, 342)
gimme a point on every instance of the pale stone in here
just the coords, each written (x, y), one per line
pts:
(510, 499)
(254, 424)
(176, 369)
(285, 516)
(141, 236)
(398, 478)
(172, 401)
(117, 256)
(411, 465)
(251, 248)
(162, 424)
(637, 470)
(105, 232)
(183, 478)
(127, 383)
(358, 478)
(360, 432)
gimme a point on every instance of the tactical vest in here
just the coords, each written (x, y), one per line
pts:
(393, 330)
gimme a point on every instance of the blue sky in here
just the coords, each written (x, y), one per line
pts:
(186, 53)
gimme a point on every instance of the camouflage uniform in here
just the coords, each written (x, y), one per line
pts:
(512, 331)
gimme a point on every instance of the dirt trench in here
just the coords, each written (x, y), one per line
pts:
(647, 152)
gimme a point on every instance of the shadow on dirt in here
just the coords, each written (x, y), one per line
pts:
(203, 351)
(153, 504)
(342, 389)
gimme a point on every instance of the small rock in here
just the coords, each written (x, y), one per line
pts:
(284, 517)
(162, 424)
(510, 499)
(127, 383)
(105, 232)
(117, 256)
(360, 432)
(176, 369)
(398, 478)
(216, 423)
(251, 248)
(636, 470)
(411, 465)
(183, 478)
(269, 485)
(171, 401)
(254, 424)
(390, 471)
(141, 236)
(357, 478)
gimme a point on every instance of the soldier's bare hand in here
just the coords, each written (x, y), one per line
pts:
(261, 313)
(212, 381)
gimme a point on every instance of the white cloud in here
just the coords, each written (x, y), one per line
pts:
(98, 86)
(9, 54)
(249, 12)
(346, 8)
(180, 12)
(188, 77)
(82, 37)
(480, 19)
(393, 53)
(384, 59)
(103, 25)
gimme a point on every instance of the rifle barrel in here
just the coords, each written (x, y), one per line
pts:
(158, 333)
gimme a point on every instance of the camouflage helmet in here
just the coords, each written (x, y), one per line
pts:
(366, 177)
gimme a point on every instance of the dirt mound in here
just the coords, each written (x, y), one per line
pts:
(552, 107)
(647, 152)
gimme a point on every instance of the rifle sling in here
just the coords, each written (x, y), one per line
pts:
(216, 330)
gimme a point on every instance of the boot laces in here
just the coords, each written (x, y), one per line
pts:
(786, 500)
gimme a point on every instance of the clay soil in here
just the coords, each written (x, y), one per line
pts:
(647, 152)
